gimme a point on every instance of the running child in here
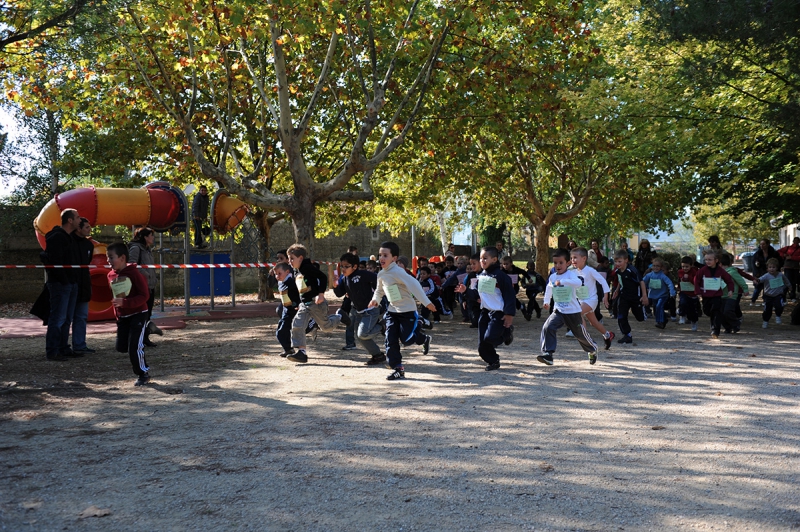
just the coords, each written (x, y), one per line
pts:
(311, 283)
(401, 319)
(130, 295)
(631, 294)
(519, 277)
(498, 306)
(659, 289)
(561, 286)
(432, 291)
(290, 300)
(731, 312)
(710, 283)
(689, 303)
(776, 285)
(587, 293)
(533, 288)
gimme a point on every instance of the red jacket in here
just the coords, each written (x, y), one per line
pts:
(136, 301)
(718, 271)
(790, 252)
(687, 277)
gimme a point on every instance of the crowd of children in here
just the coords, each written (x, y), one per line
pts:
(383, 298)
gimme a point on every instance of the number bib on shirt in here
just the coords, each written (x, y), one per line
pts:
(687, 287)
(393, 293)
(655, 284)
(712, 283)
(287, 301)
(582, 292)
(562, 294)
(776, 283)
(487, 284)
(121, 287)
(302, 287)
(514, 278)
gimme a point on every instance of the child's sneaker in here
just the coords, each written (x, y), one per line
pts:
(300, 356)
(380, 358)
(398, 373)
(682, 321)
(349, 347)
(508, 335)
(569, 335)
(287, 353)
(625, 340)
(765, 325)
(492, 367)
(143, 379)
(694, 326)
(592, 358)
(426, 324)
(344, 317)
(427, 345)
(608, 339)
(546, 359)
(778, 320)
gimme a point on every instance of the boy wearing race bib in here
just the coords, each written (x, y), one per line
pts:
(587, 293)
(311, 283)
(130, 307)
(710, 282)
(631, 294)
(689, 304)
(659, 289)
(519, 277)
(731, 312)
(561, 287)
(290, 299)
(401, 319)
(776, 285)
(498, 306)
(359, 285)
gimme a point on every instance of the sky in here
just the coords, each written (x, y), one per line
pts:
(8, 126)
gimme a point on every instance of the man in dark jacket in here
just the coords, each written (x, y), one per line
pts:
(61, 249)
(200, 215)
(81, 314)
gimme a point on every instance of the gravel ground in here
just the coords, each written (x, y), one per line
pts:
(674, 432)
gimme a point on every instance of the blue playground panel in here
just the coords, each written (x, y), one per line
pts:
(200, 280)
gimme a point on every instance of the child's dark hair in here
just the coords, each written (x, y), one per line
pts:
(119, 249)
(687, 260)
(726, 259)
(561, 252)
(394, 249)
(475, 256)
(282, 266)
(621, 254)
(425, 269)
(581, 252)
(774, 262)
(491, 251)
(372, 263)
(297, 250)
(350, 259)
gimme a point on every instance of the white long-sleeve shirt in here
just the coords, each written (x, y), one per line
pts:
(569, 279)
(400, 289)
(590, 278)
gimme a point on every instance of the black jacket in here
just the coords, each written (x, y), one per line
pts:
(61, 248)
(310, 281)
(359, 287)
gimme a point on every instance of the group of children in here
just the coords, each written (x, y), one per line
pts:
(486, 288)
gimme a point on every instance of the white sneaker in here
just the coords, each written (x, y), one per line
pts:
(764, 325)
(682, 320)
(673, 318)
(778, 319)
(694, 326)
(569, 334)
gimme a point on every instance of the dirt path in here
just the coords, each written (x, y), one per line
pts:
(674, 432)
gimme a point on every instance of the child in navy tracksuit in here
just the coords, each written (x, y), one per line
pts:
(290, 299)
(776, 286)
(498, 307)
(659, 289)
(432, 291)
(631, 294)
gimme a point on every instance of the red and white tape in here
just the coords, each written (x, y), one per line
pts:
(148, 266)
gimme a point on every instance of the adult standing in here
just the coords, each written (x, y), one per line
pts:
(714, 245)
(594, 255)
(81, 313)
(624, 245)
(500, 247)
(791, 265)
(140, 252)
(62, 283)
(764, 252)
(200, 215)
(644, 258)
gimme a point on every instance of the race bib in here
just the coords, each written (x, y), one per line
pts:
(487, 284)
(393, 293)
(776, 283)
(121, 287)
(562, 294)
(712, 283)
(687, 287)
(514, 278)
(461, 277)
(302, 287)
(582, 292)
(473, 283)
(655, 284)
(287, 301)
